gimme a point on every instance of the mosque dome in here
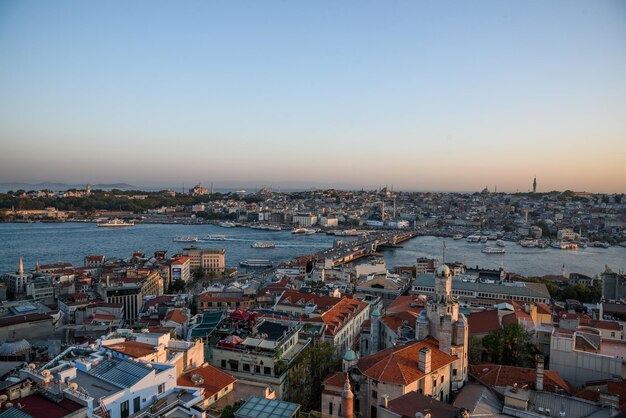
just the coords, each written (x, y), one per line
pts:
(349, 356)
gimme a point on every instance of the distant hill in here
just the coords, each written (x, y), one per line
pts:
(5, 187)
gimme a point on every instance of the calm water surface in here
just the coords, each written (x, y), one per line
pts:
(51, 242)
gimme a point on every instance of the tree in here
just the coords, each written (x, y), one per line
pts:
(510, 346)
(475, 350)
(309, 371)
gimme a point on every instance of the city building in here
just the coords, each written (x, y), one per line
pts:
(264, 356)
(181, 269)
(476, 293)
(209, 260)
(130, 291)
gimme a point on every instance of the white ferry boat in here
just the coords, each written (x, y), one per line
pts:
(494, 250)
(263, 244)
(473, 238)
(226, 224)
(116, 223)
(310, 231)
(186, 239)
(458, 236)
(298, 230)
(500, 243)
(256, 263)
(215, 237)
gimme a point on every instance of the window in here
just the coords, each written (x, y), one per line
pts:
(136, 404)
(124, 412)
(453, 372)
(161, 388)
(441, 379)
(374, 394)
(330, 408)
(267, 370)
(257, 369)
(612, 334)
(246, 367)
(224, 364)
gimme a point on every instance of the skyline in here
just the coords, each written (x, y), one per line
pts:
(446, 96)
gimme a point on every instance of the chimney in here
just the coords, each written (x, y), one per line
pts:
(386, 401)
(424, 360)
(539, 381)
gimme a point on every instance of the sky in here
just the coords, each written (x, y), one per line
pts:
(424, 95)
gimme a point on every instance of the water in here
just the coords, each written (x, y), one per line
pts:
(525, 261)
(51, 242)
(70, 241)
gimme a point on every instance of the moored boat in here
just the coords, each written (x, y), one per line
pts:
(256, 263)
(116, 223)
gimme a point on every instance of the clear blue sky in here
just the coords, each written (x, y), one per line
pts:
(422, 95)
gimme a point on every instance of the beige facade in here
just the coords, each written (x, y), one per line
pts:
(211, 261)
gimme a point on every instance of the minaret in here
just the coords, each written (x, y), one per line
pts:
(535, 185)
(347, 400)
(20, 268)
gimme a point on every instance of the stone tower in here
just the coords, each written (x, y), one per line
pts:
(441, 320)
(374, 331)
(347, 400)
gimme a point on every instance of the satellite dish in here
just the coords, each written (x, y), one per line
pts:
(32, 366)
(3, 398)
(73, 386)
(45, 373)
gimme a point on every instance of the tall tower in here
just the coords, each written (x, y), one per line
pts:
(535, 185)
(347, 400)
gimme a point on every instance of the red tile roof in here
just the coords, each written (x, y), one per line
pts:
(410, 303)
(395, 320)
(399, 365)
(335, 380)
(38, 406)
(214, 379)
(411, 403)
(614, 387)
(338, 316)
(176, 316)
(132, 348)
(497, 375)
(297, 298)
(483, 322)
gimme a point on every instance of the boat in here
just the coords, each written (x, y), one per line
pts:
(500, 243)
(569, 246)
(263, 244)
(473, 238)
(215, 237)
(458, 236)
(186, 239)
(494, 250)
(298, 230)
(483, 239)
(310, 231)
(256, 263)
(226, 224)
(116, 223)
(528, 243)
